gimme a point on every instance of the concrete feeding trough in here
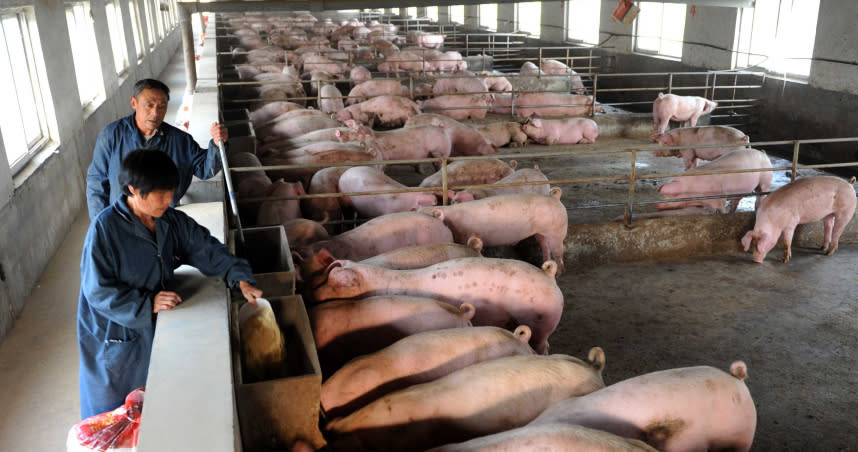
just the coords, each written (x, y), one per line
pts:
(267, 250)
(234, 116)
(242, 137)
(274, 413)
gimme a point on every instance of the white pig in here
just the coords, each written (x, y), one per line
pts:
(685, 109)
(561, 131)
(732, 139)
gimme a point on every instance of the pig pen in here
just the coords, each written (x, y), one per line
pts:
(673, 292)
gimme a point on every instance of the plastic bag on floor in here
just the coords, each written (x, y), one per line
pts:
(113, 431)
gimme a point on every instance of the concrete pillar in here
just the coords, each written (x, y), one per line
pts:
(621, 44)
(836, 35)
(105, 50)
(553, 21)
(6, 184)
(443, 14)
(472, 16)
(712, 25)
(506, 17)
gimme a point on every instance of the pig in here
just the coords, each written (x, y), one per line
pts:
(301, 232)
(428, 40)
(554, 67)
(685, 109)
(319, 79)
(329, 134)
(445, 62)
(502, 290)
(373, 88)
(689, 136)
(549, 437)
(529, 68)
(383, 47)
(365, 179)
(720, 184)
(376, 236)
(485, 398)
(402, 62)
(553, 104)
(376, 322)
(280, 211)
(416, 359)
(508, 219)
(331, 99)
(472, 172)
(248, 184)
(323, 63)
(387, 111)
(359, 74)
(522, 175)
(422, 256)
(322, 152)
(459, 82)
(295, 127)
(805, 200)
(414, 142)
(458, 106)
(686, 409)
(326, 180)
(466, 140)
(561, 131)
(501, 134)
(495, 81)
(271, 110)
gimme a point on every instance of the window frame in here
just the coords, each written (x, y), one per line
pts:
(660, 51)
(89, 58)
(34, 66)
(518, 28)
(116, 30)
(137, 29)
(494, 26)
(453, 17)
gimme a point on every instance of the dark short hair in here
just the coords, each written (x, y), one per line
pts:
(148, 170)
(150, 83)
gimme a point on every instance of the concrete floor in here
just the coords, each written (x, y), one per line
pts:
(39, 359)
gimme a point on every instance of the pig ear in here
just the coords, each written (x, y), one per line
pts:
(468, 310)
(297, 257)
(475, 243)
(597, 358)
(335, 264)
(522, 333)
(351, 123)
(556, 192)
(549, 268)
(437, 213)
(323, 258)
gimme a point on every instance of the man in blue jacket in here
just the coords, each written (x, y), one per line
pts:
(129, 254)
(145, 128)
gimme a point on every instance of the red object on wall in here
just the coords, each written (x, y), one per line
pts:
(622, 9)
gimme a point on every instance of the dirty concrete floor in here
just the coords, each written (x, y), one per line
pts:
(795, 325)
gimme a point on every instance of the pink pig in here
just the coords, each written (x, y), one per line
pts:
(360, 74)
(422, 256)
(420, 358)
(689, 136)
(458, 106)
(509, 219)
(481, 399)
(374, 88)
(413, 142)
(466, 140)
(688, 409)
(553, 104)
(500, 134)
(281, 211)
(388, 111)
(805, 200)
(720, 184)
(344, 329)
(549, 437)
(366, 178)
(561, 131)
(502, 290)
(685, 109)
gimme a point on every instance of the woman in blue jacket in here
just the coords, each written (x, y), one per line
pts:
(130, 252)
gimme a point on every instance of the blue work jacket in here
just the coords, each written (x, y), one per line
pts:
(121, 137)
(122, 268)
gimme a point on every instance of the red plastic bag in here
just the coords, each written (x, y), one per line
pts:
(113, 431)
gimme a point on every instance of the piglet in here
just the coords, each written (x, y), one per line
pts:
(685, 109)
(677, 410)
(732, 139)
(805, 200)
(561, 131)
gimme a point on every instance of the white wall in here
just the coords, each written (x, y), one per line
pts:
(836, 37)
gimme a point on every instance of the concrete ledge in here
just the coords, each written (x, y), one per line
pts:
(669, 238)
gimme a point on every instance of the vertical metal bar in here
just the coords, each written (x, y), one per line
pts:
(795, 147)
(669, 83)
(227, 176)
(444, 199)
(539, 69)
(706, 87)
(630, 201)
(595, 89)
(714, 84)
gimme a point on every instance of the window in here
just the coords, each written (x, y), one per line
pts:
(432, 13)
(582, 23)
(136, 28)
(394, 11)
(457, 14)
(117, 36)
(22, 118)
(90, 83)
(529, 17)
(777, 35)
(150, 30)
(489, 16)
(411, 12)
(660, 28)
